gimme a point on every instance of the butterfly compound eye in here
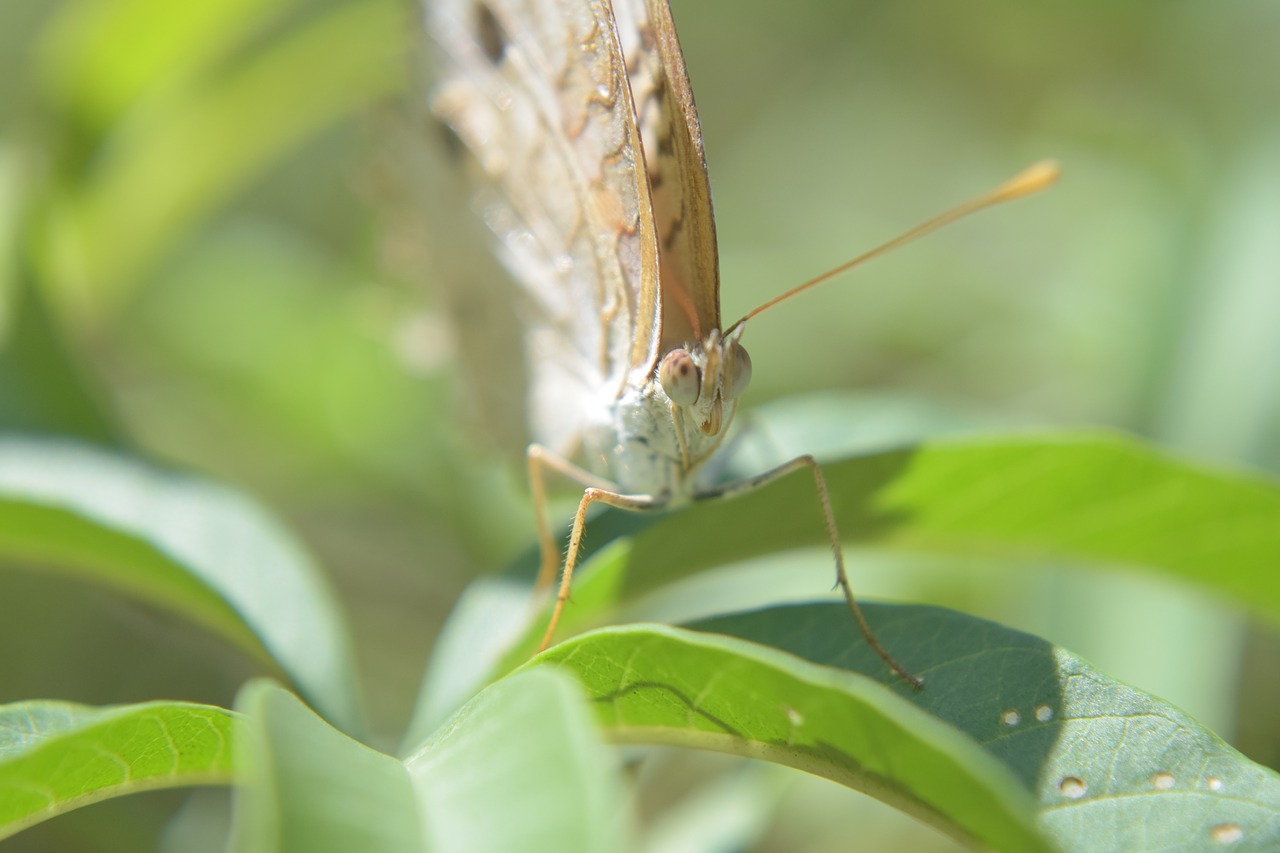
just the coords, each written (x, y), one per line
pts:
(738, 375)
(680, 377)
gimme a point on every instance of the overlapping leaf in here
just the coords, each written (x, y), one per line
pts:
(185, 544)
(1092, 498)
(520, 767)
(1013, 743)
(57, 756)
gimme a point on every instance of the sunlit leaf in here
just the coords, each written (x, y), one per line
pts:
(183, 543)
(58, 756)
(308, 787)
(1095, 499)
(1009, 731)
(167, 169)
(1090, 497)
(1111, 767)
(86, 73)
(42, 389)
(654, 684)
(520, 767)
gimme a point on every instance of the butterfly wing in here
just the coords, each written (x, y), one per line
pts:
(538, 92)
(689, 268)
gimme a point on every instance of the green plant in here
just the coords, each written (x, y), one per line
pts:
(1015, 743)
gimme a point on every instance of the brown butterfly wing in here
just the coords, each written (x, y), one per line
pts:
(538, 92)
(688, 259)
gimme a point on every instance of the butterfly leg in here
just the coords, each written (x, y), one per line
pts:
(540, 461)
(596, 489)
(750, 484)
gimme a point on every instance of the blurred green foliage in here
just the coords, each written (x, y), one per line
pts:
(202, 227)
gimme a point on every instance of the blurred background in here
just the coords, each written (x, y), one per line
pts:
(219, 247)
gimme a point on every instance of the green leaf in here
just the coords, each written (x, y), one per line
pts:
(41, 387)
(1092, 497)
(42, 390)
(58, 756)
(1112, 768)
(182, 543)
(485, 621)
(171, 165)
(520, 767)
(1100, 500)
(655, 684)
(83, 68)
(1011, 742)
(306, 786)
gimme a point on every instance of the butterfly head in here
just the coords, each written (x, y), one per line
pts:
(703, 382)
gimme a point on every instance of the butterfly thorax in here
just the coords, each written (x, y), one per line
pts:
(667, 420)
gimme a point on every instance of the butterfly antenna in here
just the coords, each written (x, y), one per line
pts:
(1034, 178)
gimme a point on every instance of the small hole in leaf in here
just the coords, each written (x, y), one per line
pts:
(1044, 713)
(1226, 833)
(1213, 783)
(1010, 718)
(1072, 787)
(1162, 781)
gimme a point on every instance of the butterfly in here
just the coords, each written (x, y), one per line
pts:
(582, 126)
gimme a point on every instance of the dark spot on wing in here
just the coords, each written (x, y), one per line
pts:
(669, 239)
(666, 145)
(490, 33)
(647, 37)
(451, 142)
